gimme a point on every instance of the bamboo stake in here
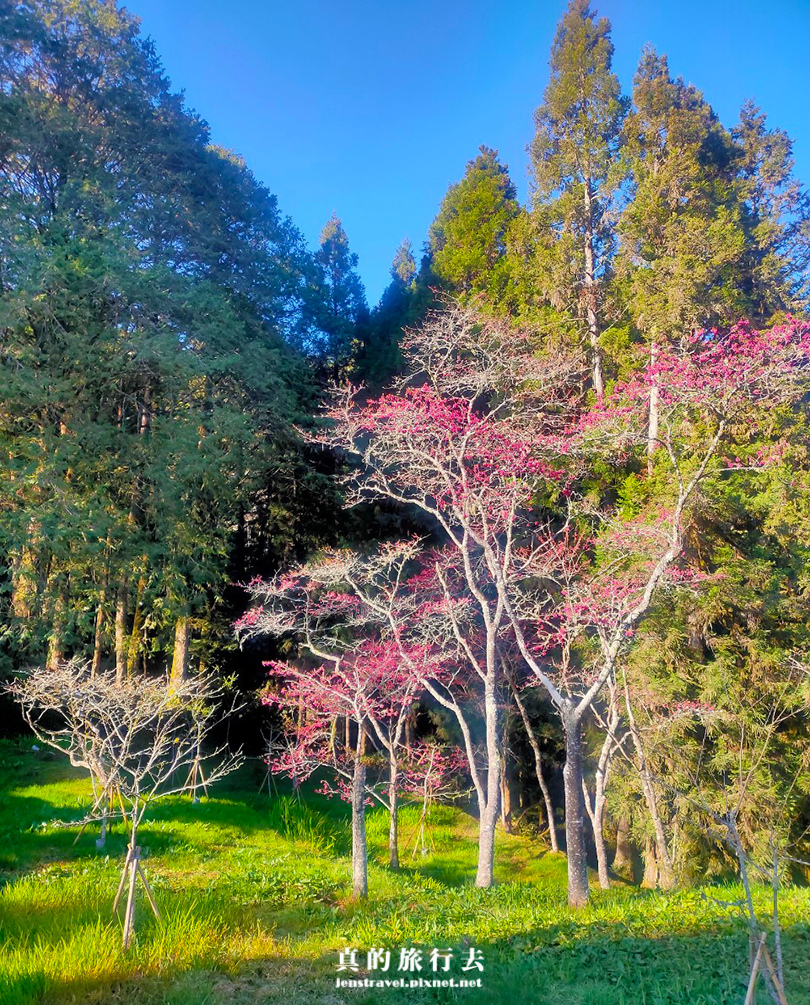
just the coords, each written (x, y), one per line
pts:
(129, 915)
(774, 977)
(123, 880)
(749, 998)
(148, 889)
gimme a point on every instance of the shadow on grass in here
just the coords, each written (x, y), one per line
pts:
(38, 791)
(249, 918)
(687, 970)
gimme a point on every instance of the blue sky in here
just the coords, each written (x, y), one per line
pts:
(371, 108)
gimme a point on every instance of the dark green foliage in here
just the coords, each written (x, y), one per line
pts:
(468, 238)
(574, 160)
(340, 301)
(403, 304)
(151, 291)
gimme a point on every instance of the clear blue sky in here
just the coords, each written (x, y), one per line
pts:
(371, 108)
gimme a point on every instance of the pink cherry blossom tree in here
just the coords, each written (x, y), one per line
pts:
(488, 423)
(340, 610)
(476, 427)
(712, 391)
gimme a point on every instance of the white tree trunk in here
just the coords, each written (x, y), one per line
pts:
(596, 810)
(393, 805)
(591, 293)
(664, 869)
(489, 810)
(652, 423)
(359, 850)
(578, 892)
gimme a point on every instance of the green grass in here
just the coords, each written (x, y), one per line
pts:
(255, 899)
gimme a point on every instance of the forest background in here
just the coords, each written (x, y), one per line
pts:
(170, 343)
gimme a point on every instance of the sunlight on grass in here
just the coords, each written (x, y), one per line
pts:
(255, 902)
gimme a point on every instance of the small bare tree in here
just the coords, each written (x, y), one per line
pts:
(140, 739)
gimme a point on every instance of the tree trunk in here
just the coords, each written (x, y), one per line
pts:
(121, 632)
(665, 872)
(596, 813)
(538, 770)
(623, 859)
(506, 798)
(552, 827)
(652, 425)
(393, 825)
(651, 874)
(590, 292)
(574, 812)
(359, 851)
(135, 640)
(596, 810)
(179, 669)
(333, 739)
(24, 578)
(56, 638)
(98, 634)
(489, 811)
(484, 876)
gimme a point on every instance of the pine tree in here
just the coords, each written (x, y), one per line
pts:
(776, 261)
(577, 136)
(341, 295)
(468, 238)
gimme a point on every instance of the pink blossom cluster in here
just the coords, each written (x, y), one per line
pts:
(719, 374)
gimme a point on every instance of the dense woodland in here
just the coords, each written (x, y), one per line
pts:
(539, 519)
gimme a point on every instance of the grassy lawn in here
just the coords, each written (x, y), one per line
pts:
(255, 905)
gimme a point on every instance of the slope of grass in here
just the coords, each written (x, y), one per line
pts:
(254, 897)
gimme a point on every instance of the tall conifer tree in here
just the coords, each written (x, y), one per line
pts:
(578, 128)
(342, 297)
(468, 238)
(682, 234)
(776, 261)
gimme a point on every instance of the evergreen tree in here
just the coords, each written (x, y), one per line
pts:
(776, 218)
(578, 128)
(403, 267)
(402, 304)
(468, 238)
(147, 390)
(341, 295)
(682, 231)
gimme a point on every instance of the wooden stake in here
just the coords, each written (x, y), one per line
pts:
(123, 880)
(146, 887)
(772, 970)
(749, 998)
(129, 914)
